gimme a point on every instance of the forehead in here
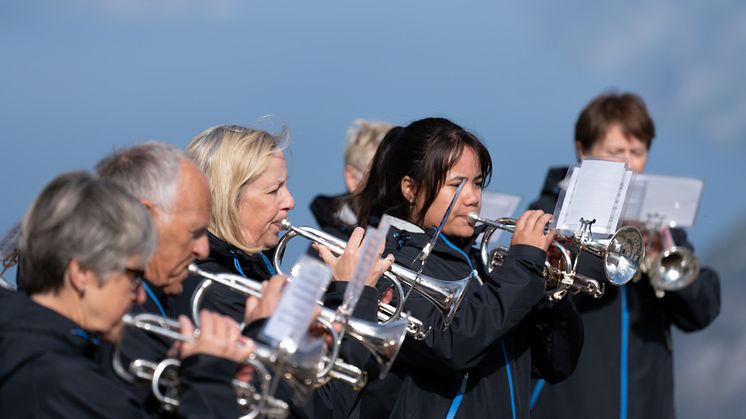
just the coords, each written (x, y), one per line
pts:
(616, 138)
(467, 164)
(193, 199)
(276, 169)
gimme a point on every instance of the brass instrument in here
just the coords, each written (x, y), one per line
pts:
(622, 257)
(382, 341)
(669, 267)
(163, 375)
(445, 295)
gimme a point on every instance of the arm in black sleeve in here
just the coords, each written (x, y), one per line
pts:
(206, 388)
(485, 315)
(221, 299)
(82, 393)
(556, 336)
(367, 305)
(696, 306)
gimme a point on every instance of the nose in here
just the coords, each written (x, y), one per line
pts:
(201, 247)
(471, 195)
(288, 202)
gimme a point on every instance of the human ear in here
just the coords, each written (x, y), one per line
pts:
(79, 276)
(408, 189)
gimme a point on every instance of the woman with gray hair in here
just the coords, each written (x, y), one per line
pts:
(85, 243)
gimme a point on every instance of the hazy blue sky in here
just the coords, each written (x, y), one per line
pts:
(81, 77)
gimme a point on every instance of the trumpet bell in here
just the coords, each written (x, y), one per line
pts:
(623, 255)
(383, 341)
(674, 268)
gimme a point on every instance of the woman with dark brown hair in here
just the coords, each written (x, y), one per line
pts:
(478, 366)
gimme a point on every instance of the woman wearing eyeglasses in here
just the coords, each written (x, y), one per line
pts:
(85, 243)
(480, 365)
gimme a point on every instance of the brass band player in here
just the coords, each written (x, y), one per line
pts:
(85, 242)
(626, 366)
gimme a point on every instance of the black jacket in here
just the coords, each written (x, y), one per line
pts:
(212, 376)
(225, 258)
(332, 399)
(630, 320)
(331, 216)
(492, 338)
(49, 368)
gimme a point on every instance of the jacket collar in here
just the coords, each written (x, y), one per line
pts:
(554, 180)
(405, 233)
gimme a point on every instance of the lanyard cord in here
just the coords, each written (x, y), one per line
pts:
(151, 294)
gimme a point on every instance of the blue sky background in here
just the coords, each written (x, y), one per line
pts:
(79, 78)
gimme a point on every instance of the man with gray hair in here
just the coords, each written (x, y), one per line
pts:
(177, 195)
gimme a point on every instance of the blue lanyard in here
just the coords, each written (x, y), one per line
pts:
(151, 294)
(459, 396)
(85, 336)
(624, 354)
(510, 378)
(267, 265)
(454, 247)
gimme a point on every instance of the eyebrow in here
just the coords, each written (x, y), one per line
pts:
(460, 178)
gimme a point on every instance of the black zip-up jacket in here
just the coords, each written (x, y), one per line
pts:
(498, 329)
(225, 258)
(332, 399)
(630, 320)
(215, 373)
(49, 368)
(328, 212)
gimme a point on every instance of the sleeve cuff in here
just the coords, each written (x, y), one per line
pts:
(528, 253)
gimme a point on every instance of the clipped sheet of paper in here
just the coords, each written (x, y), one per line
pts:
(597, 189)
(294, 313)
(374, 240)
(497, 205)
(673, 200)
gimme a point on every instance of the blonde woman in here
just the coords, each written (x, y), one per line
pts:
(247, 174)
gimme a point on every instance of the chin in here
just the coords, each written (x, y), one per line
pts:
(270, 242)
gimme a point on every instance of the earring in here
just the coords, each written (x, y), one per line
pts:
(81, 292)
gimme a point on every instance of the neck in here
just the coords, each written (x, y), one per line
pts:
(65, 302)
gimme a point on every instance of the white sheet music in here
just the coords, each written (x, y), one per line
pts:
(368, 254)
(496, 205)
(294, 313)
(673, 200)
(597, 190)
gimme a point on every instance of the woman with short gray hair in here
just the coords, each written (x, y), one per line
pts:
(85, 242)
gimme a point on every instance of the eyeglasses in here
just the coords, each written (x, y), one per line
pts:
(135, 276)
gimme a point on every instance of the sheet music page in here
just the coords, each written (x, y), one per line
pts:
(619, 204)
(497, 205)
(368, 253)
(674, 199)
(596, 190)
(294, 313)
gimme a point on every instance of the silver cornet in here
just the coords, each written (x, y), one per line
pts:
(673, 267)
(382, 341)
(163, 375)
(445, 295)
(622, 257)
